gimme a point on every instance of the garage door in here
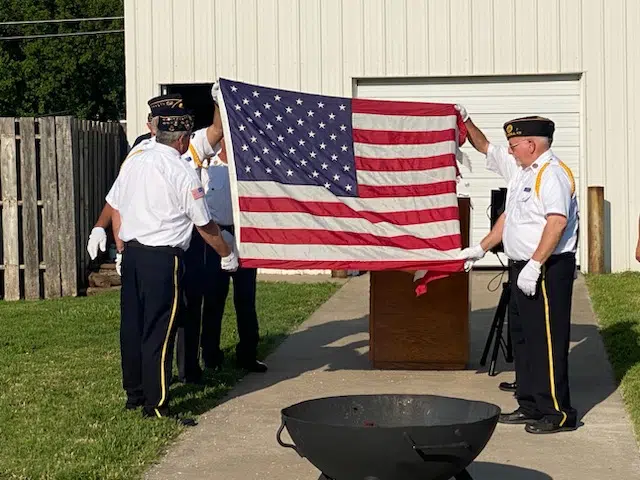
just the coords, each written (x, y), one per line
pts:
(491, 102)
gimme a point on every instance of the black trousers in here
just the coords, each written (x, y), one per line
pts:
(188, 335)
(540, 330)
(150, 298)
(215, 297)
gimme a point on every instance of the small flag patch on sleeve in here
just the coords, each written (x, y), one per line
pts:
(197, 193)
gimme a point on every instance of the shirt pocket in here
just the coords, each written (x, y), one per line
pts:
(524, 205)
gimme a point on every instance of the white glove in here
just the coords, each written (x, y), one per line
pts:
(119, 263)
(97, 239)
(463, 112)
(230, 262)
(214, 91)
(528, 278)
(472, 255)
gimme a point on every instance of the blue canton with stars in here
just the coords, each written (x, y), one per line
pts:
(291, 138)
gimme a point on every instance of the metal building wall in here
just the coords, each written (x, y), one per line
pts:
(323, 45)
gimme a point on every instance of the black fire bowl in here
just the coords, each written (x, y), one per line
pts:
(390, 437)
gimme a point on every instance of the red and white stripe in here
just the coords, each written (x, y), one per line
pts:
(406, 216)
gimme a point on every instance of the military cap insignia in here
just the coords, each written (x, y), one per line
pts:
(180, 122)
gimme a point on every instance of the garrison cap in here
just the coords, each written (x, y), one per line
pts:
(164, 102)
(533, 126)
(178, 120)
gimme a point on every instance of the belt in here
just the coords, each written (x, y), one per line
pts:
(162, 248)
(552, 258)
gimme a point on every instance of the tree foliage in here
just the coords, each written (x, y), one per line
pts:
(83, 76)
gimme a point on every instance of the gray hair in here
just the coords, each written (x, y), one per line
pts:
(168, 138)
(546, 142)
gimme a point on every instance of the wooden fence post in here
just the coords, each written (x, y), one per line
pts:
(66, 207)
(50, 223)
(596, 229)
(29, 190)
(9, 174)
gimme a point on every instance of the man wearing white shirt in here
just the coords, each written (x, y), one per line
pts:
(218, 197)
(98, 237)
(156, 200)
(539, 231)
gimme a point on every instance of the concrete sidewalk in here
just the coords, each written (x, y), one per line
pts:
(328, 356)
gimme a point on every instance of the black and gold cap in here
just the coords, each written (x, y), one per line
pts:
(533, 126)
(159, 104)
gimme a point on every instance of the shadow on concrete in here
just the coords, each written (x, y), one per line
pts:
(590, 379)
(496, 471)
(343, 345)
(331, 346)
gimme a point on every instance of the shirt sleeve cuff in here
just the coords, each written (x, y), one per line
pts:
(556, 211)
(109, 199)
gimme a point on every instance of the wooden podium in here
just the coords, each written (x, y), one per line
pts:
(429, 332)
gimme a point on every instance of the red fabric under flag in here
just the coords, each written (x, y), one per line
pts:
(322, 182)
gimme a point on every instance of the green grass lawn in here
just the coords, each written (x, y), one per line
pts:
(61, 400)
(616, 301)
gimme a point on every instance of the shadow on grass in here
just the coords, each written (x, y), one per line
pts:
(623, 346)
(196, 399)
(319, 346)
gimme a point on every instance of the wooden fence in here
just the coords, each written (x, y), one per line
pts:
(54, 175)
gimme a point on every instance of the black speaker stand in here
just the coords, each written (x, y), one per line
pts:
(497, 326)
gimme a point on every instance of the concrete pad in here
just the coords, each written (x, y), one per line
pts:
(327, 356)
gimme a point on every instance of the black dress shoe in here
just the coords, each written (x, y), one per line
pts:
(545, 426)
(517, 417)
(253, 366)
(133, 403)
(215, 362)
(195, 379)
(508, 387)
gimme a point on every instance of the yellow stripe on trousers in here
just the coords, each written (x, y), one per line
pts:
(552, 378)
(174, 308)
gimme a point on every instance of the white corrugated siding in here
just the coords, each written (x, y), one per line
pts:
(322, 46)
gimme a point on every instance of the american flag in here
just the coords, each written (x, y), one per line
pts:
(322, 182)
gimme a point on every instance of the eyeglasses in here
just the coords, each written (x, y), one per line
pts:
(514, 146)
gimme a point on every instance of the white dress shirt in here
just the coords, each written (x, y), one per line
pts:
(214, 175)
(159, 197)
(200, 150)
(532, 196)
(139, 148)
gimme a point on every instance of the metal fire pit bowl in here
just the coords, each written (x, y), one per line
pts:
(390, 437)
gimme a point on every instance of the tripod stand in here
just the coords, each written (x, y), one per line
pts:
(497, 327)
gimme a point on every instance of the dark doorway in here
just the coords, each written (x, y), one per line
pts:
(197, 98)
